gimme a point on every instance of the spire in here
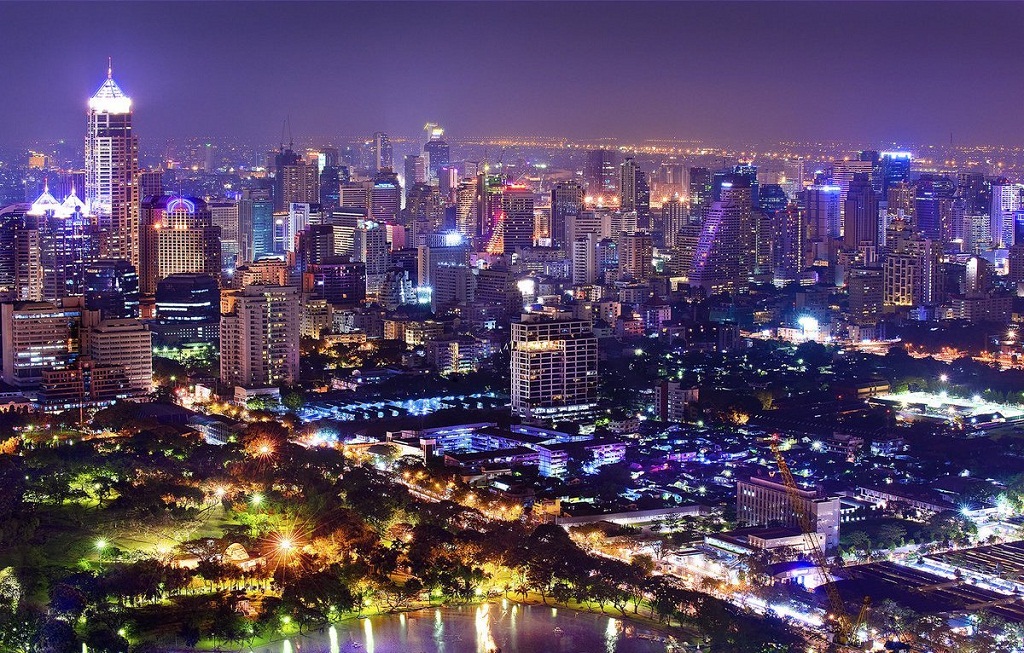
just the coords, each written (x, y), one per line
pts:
(109, 98)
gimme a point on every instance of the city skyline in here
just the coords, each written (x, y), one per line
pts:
(727, 72)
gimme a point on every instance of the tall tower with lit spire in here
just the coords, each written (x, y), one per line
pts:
(111, 171)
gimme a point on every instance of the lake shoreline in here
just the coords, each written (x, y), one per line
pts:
(316, 641)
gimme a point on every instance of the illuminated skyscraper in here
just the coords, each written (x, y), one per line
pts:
(385, 197)
(823, 215)
(933, 204)
(517, 212)
(554, 366)
(788, 242)
(111, 169)
(1006, 198)
(300, 184)
(382, 152)
(861, 227)
(601, 173)
(178, 237)
(673, 218)
(636, 255)
(112, 288)
(566, 199)
(627, 184)
(894, 169)
(255, 226)
(700, 189)
(415, 171)
(725, 255)
(437, 152)
(259, 337)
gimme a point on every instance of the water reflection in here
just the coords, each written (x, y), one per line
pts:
(611, 634)
(332, 635)
(368, 633)
(484, 639)
(487, 628)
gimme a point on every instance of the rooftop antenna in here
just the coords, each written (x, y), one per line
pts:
(110, 68)
(283, 124)
(291, 143)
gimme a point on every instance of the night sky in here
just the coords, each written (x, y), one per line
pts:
(870, 72)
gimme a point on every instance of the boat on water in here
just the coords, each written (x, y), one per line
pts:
(558, 630)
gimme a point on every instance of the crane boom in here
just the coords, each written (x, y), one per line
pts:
(844, 625)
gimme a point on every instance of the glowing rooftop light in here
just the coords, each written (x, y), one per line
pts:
(109, 98)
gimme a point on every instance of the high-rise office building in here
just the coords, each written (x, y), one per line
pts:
(601, 173)
(259, 337)
(824, 222)
(627, 184)
(772, 199)
(636, 254)
(860, 230)
(866, 296)
(126, 343)
(894, 168)
(437, 153)
(584, 260)
(112, 288)
(385, 197)
(66, 242)
(37, 337)
(700, 188)
(337, 280)
(224, 214)
(178, 237)
(554, 366)
(517, 218)
(371, 249)
(300, 184)
(842, 173)
(187, 313)
(330, 187)
(933, 206)
(21, 273)
(1006, 199)
(255, 226)
(788, 242)
(383, 157)
(566, 199)
(674, 216)
(911, 270)
(725, 255)
(111, 170)
(415, 171)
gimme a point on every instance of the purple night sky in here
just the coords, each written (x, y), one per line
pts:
(737, 72)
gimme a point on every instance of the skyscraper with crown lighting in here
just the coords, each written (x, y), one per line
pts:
(111, 170)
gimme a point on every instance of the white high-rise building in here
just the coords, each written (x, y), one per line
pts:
(259, 337)
(37, 336)
(1006, 198)
(554, 366)
(127, 343)
(224, 214)
(584, 260)
(382, 152)
(111, 170)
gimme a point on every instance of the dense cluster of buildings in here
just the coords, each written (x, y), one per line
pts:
(459, 260)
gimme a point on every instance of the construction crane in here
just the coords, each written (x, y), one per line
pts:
(845, 629)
